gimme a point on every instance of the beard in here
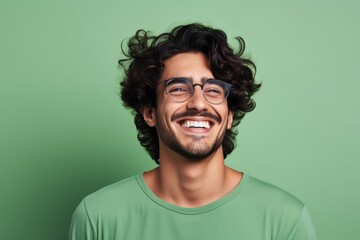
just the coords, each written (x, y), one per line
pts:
(196, 150)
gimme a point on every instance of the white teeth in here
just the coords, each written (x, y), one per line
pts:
(196, 124)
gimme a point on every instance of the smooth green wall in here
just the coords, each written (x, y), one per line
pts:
(64, 132)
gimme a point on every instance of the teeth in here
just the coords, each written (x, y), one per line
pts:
(196, 124)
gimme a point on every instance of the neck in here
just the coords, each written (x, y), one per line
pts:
(192, 184)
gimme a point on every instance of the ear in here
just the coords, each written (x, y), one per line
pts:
(149, 116)
(230, 119)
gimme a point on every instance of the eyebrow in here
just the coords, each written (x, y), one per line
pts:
(203, 79)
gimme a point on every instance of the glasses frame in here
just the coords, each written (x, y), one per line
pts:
(166, 82)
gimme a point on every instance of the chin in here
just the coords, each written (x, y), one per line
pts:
(196, 153)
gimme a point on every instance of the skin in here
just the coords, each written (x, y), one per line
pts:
(192, 172)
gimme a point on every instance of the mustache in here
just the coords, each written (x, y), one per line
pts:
(194, 113)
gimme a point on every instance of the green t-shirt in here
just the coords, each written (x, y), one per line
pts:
(254, 210)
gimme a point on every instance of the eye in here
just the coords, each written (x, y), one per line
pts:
(177, 89)
(213, 90)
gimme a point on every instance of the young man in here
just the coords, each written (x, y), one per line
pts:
(189, 90)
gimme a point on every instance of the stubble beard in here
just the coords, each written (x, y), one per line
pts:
(197, 149)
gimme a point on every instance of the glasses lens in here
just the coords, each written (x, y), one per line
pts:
(216, 91)
(179, 89)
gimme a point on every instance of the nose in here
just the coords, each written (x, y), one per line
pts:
(197, 101)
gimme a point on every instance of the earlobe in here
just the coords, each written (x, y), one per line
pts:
(148, 114)
(230, 119)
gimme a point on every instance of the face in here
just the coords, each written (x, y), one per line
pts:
(195, 128)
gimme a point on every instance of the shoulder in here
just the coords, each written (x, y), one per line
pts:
(113, 197)
(104, 206)
(283, 214)
(272, 198)
(114, 189)
(272, 192)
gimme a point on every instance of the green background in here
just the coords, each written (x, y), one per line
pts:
(64, 132)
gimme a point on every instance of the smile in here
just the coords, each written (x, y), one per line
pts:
(195, 124)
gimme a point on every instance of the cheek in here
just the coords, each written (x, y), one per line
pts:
(164, 113)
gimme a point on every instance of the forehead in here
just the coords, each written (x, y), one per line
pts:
(191, 64)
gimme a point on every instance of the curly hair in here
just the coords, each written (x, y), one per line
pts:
(144, 64)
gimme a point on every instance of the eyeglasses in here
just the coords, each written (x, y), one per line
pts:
(180, 89)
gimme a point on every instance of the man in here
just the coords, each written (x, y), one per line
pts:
(189, 90)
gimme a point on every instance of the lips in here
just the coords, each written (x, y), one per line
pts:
(195, 121)
(195, 124)
(195, 116)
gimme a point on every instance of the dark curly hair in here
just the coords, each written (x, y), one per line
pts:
(144, 64)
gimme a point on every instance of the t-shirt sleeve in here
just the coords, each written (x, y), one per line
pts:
(303, 228)
(81, 227)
